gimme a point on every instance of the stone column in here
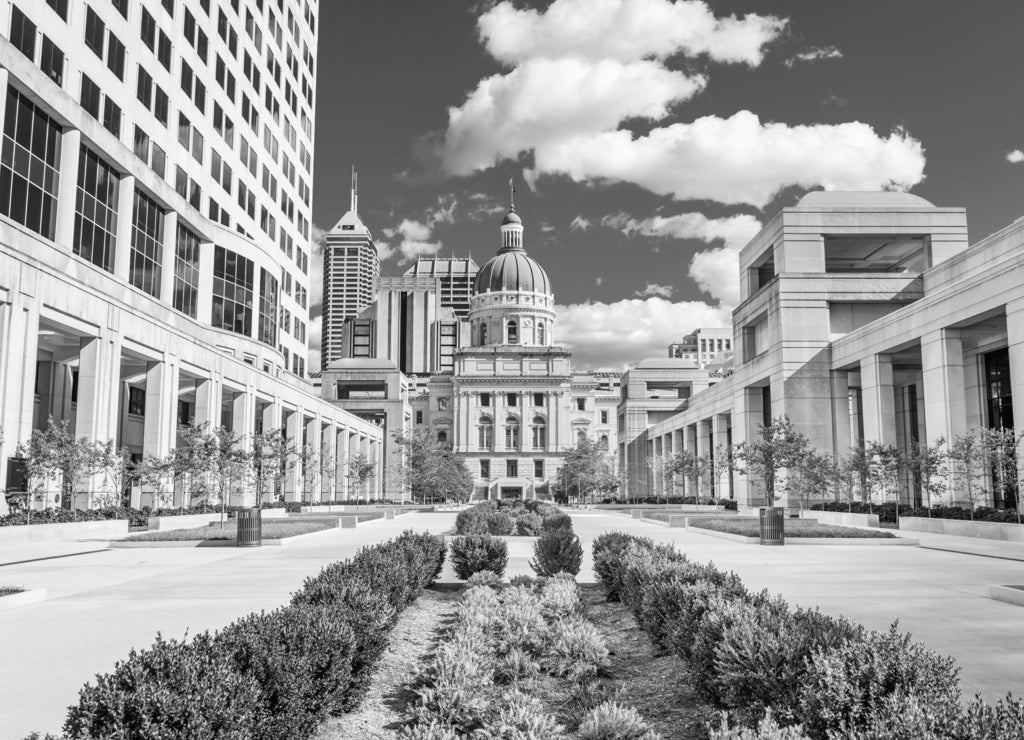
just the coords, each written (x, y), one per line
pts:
(97, 411)
(204, 299)
(340, 463)
(19, 337)
(879, 402)
(170, 242)
(125, 218)
(719, 441)
(160, 421)
(271, 423)
(690, 445)
(1015, 342)
(208, 402)
(841, 438)
(353, 451)
(67, 187)
(293, 439)
(942, 375)
(312, 485)
(748, 404)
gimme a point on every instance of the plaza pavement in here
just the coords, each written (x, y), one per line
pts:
(100, 605)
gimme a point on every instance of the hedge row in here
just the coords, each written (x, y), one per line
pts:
(267, 676)
(528, 518)
(887, 512)
(729, 503)
(135, 517)
(750, 653)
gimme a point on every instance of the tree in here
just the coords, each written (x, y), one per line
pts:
(432, 470)
(968, 455)
(231, 465)
(587, 469)
(886, 464)
(154, 472)
(926, 464)
(856, 465)
(120, 470)
(361, 469)
(777, 447)
(192, 461)
(56, 452)
(1001, 446)
(328, 469)
(810, 476)
(309, 460)
(723, 466)
(273, 457)
(694, 468)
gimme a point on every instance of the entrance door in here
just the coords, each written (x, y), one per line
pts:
(511, 492)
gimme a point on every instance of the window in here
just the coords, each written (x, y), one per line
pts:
(419, 417)
(186, 272)
(136, 401)
(160, 105)
(144, 87)
(232, 292)
(485, 469)
(442, 437)
(485, 399)
(513, 399)
(581, 436)
(164, 51)
(115, 56)
(23, 34)
(538, 399)
(184, 413)
(148, 30)
(512, 468)
(540, 433)
(60, 7)
(581, 404)
(195, 36)
(195, 89)
(112, 117)
(95, 210)
(603, 442)
(94, 32)
(442, 403)
(51, 61)
(147, 233)
(538, 468)
(541, 332)
(90, 97)
(513, 332)
(29, 167)
(604, 417)
(122, 7)
(267, 329)
(485, 434)
(512, 435)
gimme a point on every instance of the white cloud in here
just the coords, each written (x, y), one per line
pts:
(1016, 156)
(316, 266)
(579, 224)
(313, 334)
(735, 231)
(611, 335)
(741, 160)
(717, 272)
(546, 228)
(546, 102)
(652, 290)
(625, 30)
(815, 54)
(415, 240)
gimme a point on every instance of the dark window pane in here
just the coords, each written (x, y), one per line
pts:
(23, 33)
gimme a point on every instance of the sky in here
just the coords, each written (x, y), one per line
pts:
(651, 139)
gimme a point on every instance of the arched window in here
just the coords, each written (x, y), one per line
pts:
(541, 338)
(442, 437)
(512, 434)
(581, 436)
(485, 433)
(603, 443)
(513, 332)
(540, 433)
(483, 333)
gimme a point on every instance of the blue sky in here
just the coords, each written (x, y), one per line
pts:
(651, 138)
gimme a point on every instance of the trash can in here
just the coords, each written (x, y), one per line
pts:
(250, 528)
(773, 521)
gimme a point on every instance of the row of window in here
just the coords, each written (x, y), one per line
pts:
(511, 469)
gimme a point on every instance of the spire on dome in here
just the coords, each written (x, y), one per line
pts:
(511, 194)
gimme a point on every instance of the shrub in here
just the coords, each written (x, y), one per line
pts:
(721, 613)
(484, 578)
(174, 690)
(556, 520)
(606, 549)
(434, 731)
(576, 650)
(529, 525)
(516, 665)
(471, 521)
(473, 553)
(518, 622)
(844, 686)
(500, 523)
(301, 658)
(613, 721)
(557, 551)
(522, 580)
(520, 718)
(559, 598)
(767, 729)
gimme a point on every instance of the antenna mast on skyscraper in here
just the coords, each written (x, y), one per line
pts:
(355, 190)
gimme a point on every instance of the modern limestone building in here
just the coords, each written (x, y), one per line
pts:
(155, 215)
(703, 346)
(510, 401)
(351, 273)
(865, 317)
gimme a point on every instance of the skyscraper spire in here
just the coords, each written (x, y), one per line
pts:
(355, 191)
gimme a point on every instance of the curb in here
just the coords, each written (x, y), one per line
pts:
(29, 596)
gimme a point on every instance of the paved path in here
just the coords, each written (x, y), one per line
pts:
(101, 605)
(940, 597)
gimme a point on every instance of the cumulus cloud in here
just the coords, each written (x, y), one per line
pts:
(717, 273)
(314, 333)
(611, 335)
(740, 159)
(735, 231)
(652, 290)
(579, 224)
(546, 228)
(412, 238)
(815, 54)
(1016, 156)
(546, 102)
(598, 281)
(316, 266)
(625, 30)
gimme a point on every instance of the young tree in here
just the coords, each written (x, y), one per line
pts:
(587, 469)
(886, 465)
(309, 460)
(432, 470)
(273, 457)
(56, 452)
(777, 447)
(723, 467)
(231, 466)
(968, 454)
(693, 468)
(328, 469)
(856, 465)
(810, 477)
(1001, 446)
(192, 461)
(361, 469)
(120, 472)
(926, 463)
(155, 473)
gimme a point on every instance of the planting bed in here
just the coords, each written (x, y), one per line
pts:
(794, 528)
(10, 590)
(271, 530)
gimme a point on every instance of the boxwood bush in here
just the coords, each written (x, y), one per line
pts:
(476, 552)
(557, 551)
(269, 676)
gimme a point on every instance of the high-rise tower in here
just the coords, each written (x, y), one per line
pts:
(351, 270)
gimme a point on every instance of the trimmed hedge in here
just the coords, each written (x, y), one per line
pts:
(474, 553)
(755, 657)
(268, 676)
(887, 511)
(502, 518)
(557, 551)
(135, 517)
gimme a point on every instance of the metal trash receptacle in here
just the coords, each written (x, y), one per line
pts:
(250, 528)
(773, 526)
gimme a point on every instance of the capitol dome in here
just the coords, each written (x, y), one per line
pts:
(512, 270)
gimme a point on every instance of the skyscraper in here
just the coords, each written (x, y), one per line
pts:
(351, 270)
(455, 276)
(155, 221)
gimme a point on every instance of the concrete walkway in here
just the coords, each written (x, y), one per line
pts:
(940, 597)
(101, 605)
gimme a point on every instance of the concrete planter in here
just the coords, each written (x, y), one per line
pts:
(897, 541)
(107, 529)
(185, 521)
(684, 520)
(959, 527)
(842, 518)
(1009, 594)
(29, 596)
(278, 513)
